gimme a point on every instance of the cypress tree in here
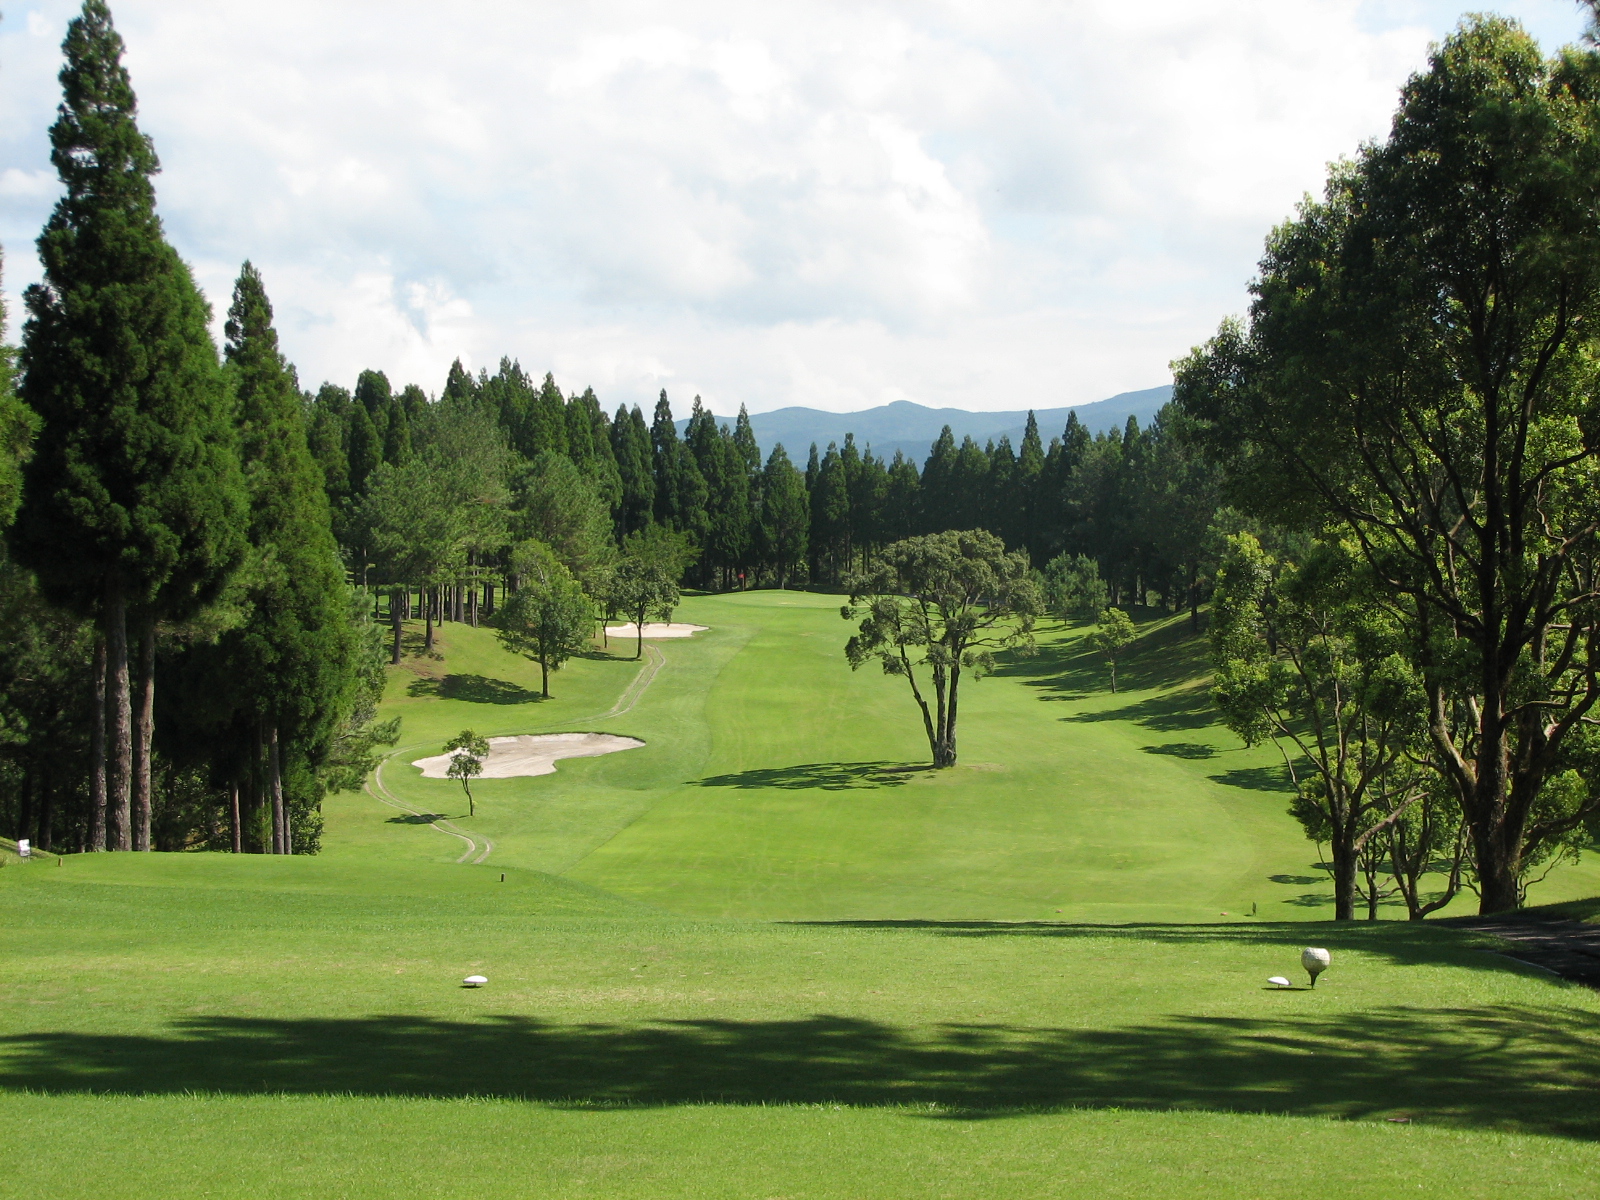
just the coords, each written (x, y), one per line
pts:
(293, 661)
(785, 517)
(132, 500)
(1030, 471)
(939, 509)
(375, 395)
(869, 497)
(329, 440)
(744, 437)
(548, 420)
(458, 384)
(366, 450)
(664, 461)
(630, 446)
(902, 503)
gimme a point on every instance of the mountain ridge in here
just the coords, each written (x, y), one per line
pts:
(912, 428)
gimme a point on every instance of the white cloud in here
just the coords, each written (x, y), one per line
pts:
(837, 204)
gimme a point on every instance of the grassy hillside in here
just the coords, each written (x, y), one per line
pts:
(917, 1021)
(778, 783)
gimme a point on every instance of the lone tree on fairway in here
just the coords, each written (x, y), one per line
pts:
(132, 505)
(466, 763)
(548, 617)
(1111, 634)
(644, 582)
(944, 602)
(1420, 369)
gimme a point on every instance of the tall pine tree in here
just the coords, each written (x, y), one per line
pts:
(292, 662)
(131, 503)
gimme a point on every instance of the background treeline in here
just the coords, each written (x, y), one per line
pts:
(503, 458)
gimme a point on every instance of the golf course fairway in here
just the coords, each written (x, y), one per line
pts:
(770, 954)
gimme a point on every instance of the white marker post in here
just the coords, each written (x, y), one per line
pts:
(23, 849)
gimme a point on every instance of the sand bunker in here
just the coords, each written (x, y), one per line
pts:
(532, 753)
(654, 629)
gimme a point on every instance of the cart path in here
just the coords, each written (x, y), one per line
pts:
(1570, 949)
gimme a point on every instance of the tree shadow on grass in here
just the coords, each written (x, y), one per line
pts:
(1189, 708)
(417, 818)
(1273, 778)
(1162, 657)
(1190, 750)
(474, 689)
(828, 777)
(1503, 1067)
(1403, 943)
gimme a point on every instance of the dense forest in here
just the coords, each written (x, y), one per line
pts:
(509, 459)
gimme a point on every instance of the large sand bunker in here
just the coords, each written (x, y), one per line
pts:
(532, 753)
(654, 629)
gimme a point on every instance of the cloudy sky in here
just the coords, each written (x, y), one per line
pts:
(982, 204)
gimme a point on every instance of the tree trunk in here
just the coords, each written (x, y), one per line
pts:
(46, 812)
(24, 825)
(544, 675)
(1498, 889)
(97, 750)
(1344, 883)
(233, 818)
(280, 817)
(143, 730)
(257, 788)
(950, 717)
(119, 778)
(395, 619)
(488, 598)
(427, 622)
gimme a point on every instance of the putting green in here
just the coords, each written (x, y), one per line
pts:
(919, 1022)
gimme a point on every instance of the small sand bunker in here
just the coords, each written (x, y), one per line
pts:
(532, 753)
(654, 629)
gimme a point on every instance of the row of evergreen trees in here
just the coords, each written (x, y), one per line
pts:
(186, 663)
(1137, 502)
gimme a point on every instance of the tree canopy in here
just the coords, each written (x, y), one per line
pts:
(944, 603)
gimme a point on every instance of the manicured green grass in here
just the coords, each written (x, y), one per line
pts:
(293, 1021)
(778, 783)
(763, 956)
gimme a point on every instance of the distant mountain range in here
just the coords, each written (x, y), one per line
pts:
(912, 428)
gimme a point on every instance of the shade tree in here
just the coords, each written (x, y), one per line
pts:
(1418, 369)
(549, 618)
(941, 604)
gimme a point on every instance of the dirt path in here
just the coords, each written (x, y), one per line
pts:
(654, 661)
